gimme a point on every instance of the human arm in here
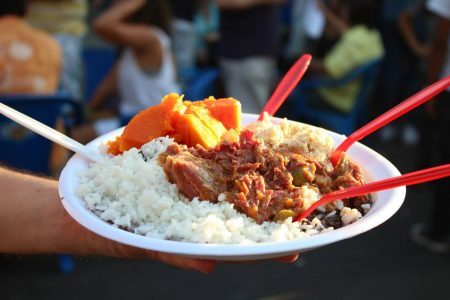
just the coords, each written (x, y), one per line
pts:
(106, 89)
(112, 26)
(317, 68)
(334, 20)
(440, 9)
(245, 4)
(438, 49)
(407, 31)
(437, 57)
(32, 220)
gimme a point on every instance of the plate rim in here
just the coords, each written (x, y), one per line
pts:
(92, 222)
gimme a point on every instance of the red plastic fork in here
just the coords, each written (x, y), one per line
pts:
(392, 114)
(286, 85)
(386, 184)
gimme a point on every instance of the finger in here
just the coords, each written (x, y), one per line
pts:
(287, 259)
(187, 263)
(102, 246)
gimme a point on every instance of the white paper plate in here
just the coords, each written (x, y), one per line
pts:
(374, 165)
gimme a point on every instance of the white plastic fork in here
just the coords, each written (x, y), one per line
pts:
(49, 133)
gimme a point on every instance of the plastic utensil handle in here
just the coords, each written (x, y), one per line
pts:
(406, 179)
(396, 112)
(286, 85)
(48, 132)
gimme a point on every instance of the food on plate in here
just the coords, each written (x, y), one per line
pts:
(226, 110)
(246, 187)
(202, 122)
(149, 124)
(265, 184)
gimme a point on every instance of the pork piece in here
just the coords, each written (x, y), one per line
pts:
(194, 176)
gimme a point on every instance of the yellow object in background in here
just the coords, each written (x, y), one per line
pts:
(64, 16)
(357, 46)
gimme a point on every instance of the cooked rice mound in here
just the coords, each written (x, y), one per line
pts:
(131, 191)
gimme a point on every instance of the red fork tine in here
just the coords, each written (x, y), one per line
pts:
(409, 104)
(286, 85)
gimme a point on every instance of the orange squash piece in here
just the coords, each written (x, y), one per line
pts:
(113, 146)
(198, 126)
(206, 123)
(216, 127)
(194, 131)
(153, 122)
(226, 110)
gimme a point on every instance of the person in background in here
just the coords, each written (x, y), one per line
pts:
(30, 59)
(434, 235)
(415, 26)
(415, 40)
(308, 24)
(395, 82)
(206, 23)
(248, 49)
(145, 71)
(183, 31)
(65, 20)
(359, 43)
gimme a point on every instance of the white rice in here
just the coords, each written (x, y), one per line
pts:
(350, 215)
(294, 137)
(133, 193)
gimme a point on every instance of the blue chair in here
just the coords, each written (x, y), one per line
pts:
(26, 150)
(341, 123)
(199, 83)
(97, 64)
(22, 148)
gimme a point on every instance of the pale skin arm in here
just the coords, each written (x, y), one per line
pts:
(111, 25)
(33, 220)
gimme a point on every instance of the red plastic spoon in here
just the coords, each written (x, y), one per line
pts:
(286, 85)
(385, 184)
(392, 114)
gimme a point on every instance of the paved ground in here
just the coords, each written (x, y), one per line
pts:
(381, 264)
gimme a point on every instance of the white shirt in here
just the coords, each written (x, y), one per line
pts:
(314, 20)
(139, 89)
(442, 9)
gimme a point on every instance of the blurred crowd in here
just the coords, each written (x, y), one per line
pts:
(403, 45)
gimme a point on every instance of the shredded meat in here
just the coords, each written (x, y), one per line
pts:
(258, 181)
